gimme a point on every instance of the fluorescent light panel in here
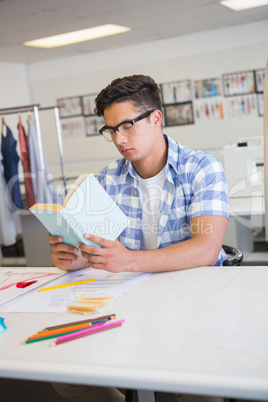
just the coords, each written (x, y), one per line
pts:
(239, 5)
(82, 35)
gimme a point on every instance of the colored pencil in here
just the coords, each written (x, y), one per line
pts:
(91, 320)
(66, 284)
(64, 329)
(49, 336)
(85, 332)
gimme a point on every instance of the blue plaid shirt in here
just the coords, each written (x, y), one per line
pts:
(195, 185)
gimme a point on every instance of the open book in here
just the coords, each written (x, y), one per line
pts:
(87, 208)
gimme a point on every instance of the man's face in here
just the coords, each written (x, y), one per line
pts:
(137, 142)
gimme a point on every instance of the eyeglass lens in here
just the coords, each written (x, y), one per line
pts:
(123, 128)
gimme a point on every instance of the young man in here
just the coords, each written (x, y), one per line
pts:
(175, 197)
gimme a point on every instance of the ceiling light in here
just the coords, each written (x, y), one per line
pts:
(238, 5)
(83, 35)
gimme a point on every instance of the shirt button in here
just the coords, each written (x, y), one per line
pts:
(135, 246)
(138, 219)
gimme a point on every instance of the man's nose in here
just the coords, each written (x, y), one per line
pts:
(119, 138)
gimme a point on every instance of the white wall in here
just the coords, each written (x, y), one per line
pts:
(14, 90)
(14, 85)
(197, 56)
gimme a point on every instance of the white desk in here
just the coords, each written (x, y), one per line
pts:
(202, 331)
(246, 206)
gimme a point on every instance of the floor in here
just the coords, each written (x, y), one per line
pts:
(27, 391)
(36, 391)
(256, 258)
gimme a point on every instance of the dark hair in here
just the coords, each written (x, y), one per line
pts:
(142, 90)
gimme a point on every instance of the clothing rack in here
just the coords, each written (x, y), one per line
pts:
(59, 138)
(30, 226)
(36, 109)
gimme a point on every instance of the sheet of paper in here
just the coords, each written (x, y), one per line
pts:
(56, 300)
(9, 277)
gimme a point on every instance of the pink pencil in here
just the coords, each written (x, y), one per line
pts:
(85, 332)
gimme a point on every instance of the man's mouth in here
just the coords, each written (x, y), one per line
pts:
(126, 150)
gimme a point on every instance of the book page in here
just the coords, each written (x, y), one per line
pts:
(76, 184)
(90, 209)
(49, 207)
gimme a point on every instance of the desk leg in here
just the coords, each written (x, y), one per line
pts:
(146, 396)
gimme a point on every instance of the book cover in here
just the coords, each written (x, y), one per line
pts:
(87, 208)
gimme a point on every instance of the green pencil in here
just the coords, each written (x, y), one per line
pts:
(43, 338)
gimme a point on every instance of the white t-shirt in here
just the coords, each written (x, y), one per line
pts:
(151, 190)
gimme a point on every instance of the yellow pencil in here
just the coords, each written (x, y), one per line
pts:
(67, 284)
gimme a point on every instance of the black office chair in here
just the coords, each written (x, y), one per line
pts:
(235, 256)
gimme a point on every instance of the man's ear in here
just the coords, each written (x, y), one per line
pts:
(157, 118)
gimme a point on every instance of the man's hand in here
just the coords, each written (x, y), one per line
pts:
(64, 256)
(111, 256)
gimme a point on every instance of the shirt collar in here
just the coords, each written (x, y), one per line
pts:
(130, 169)
(173, 152)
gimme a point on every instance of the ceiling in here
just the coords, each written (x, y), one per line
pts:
(24, 20)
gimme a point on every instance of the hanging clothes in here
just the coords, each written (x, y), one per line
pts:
(25, 160)
(44, 192)
(8, 229)
(10, 164)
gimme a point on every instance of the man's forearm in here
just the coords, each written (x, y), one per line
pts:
(188, 254)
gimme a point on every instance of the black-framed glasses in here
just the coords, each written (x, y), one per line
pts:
(109, 132)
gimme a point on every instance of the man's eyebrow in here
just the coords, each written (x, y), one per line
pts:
(119, 124)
